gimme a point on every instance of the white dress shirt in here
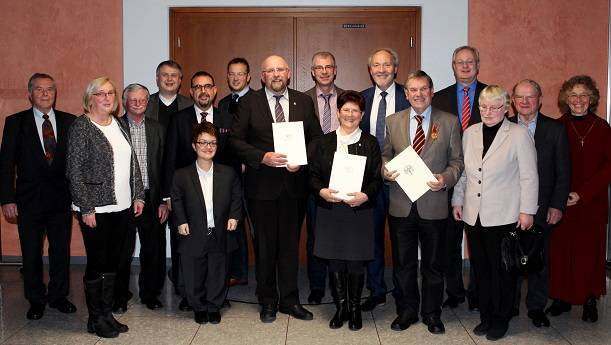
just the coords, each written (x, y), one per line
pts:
(39, 120)
(209, 114)
(390, 106)
(413, 123)
(284, 103)
(205, 181)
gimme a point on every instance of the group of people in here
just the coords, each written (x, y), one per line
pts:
(209, 170)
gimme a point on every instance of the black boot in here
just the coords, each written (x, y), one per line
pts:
(590, 312)
(97, 323)
(338, 290)
(355, 289)
(108, 295)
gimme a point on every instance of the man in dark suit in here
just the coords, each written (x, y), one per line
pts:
(34, 148)
(554, 168)
(275, 191)
(324, 95)
(381, 100)
(238, 80)
(167, 100)
(460, 99)
(178, 145)
(435, 136)
(147, 137)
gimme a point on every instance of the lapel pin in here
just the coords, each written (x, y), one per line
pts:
(294, 103)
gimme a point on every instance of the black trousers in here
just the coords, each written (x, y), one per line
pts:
(538, 283)
(105, 243)
(277, 224)
(348, 266)
(405, 234)
(496, 287)
(32, 227)
(204, 277)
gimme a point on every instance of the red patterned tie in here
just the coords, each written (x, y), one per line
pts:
(419, 139)
(466, 109)
(48, 138)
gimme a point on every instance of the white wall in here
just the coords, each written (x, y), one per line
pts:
(146, 32)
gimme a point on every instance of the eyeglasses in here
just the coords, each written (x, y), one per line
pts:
(582, 97)
(205, 143)
(102, 94)
(467, 62)
(238, 74)
(320, 68)
(206, 87)
(137, 101)
(350, 111)
(277, 70)
(525, 98)
(492, 109)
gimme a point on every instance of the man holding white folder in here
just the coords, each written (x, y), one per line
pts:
(435, 136)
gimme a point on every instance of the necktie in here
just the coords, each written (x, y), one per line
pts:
(419, 139)
(279, 111)
(381, 119)
(466, 109)
(48, 138)
(326, 114)
(233, 105)
(203, 116)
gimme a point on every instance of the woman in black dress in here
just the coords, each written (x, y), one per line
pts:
(344, 228)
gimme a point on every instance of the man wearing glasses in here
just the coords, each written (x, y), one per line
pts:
(178, 145)
(275, 192)
(460, 99)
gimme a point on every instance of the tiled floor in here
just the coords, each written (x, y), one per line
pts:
(241, 325)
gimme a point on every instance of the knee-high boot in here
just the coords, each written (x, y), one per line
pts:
(97, 323)
(338, 291)
(355, 289)
(108, 295)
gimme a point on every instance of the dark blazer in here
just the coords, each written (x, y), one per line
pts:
(40, 187)
(152, 109)
(155, 139)
(179, 138)
(251, 137)
(189, 207)
(226, 101)
(322, 162)
(401, 103)
(312, 93)
(553, 165)
(446, 100)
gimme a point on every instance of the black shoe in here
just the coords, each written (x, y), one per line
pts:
(402, 322)
(226, 304)
(473, 304)
(152, 303)
(558, 307)
(268, 313)
(434, 324)
(515, 312)
(316, 296)
(590, 313)
(297, 311)
(214, 317)
(497, 331)
(36, 311)
(538, 317)
(482, 328)
(184, 305)
(119, 307)
(201, 317)
(63, 306)
(453, 302)
(373, 301)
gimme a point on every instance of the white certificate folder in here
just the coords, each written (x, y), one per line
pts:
(347, 174)
(413, 173)
(289, 139)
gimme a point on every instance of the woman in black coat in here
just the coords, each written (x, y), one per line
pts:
(344, 228)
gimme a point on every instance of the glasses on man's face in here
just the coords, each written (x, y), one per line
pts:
(103, 94)
(582, 97)
(525, 98)
(464, 62)
(206, 143)
(137, 101)
(277, 70)
(206, 87)
(237, 74)
(320, 68)
(492, 109)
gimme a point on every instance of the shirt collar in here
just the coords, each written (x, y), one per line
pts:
(242, 92)
(270, 95)
(533, 121)
(167, 101)
(198, 110)
(201, 171)
(39, 113)
(390, 92)
(319, 92)
(426, 114)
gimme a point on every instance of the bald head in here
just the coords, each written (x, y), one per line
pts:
(275, 74)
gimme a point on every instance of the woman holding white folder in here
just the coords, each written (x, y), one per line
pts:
(344, 227)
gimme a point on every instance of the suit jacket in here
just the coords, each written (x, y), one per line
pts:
(189, 207)
(251, 137)
(442, 155)
(152, 109)
(553, 165)
(39, 187)
(502, 184)
(179, 138)
(401, 103)
(155, 139)
(446, 100)
(226, 101)
(312, 93)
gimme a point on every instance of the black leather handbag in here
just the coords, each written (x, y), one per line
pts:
(522, 251)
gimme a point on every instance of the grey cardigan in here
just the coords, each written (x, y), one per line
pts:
(90, 167)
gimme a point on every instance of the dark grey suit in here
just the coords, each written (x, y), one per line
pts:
(152, 110)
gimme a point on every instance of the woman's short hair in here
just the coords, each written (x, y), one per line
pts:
(494, 93)
(93, 87)
(351, 96)
(205, 127)
(568, 85)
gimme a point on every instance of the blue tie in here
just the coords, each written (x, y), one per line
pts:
(381, 120)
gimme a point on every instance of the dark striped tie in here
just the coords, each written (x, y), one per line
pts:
(279, 111)
(326, 114)
(48, 138)
(419, 139)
